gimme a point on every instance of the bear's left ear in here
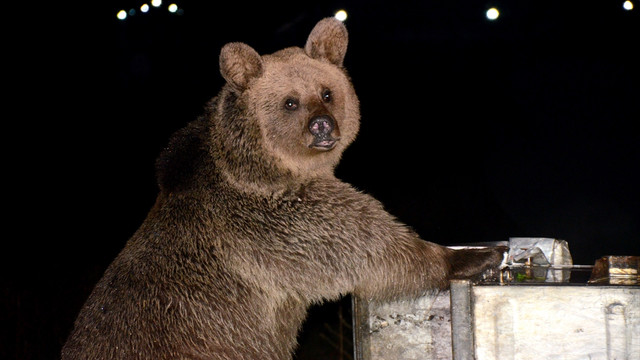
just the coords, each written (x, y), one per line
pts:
(328, 40)
(239, 63)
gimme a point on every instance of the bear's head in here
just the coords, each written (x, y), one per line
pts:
(301, 100)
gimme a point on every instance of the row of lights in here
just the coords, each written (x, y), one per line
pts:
(494, 13)
(173, 8)
(491, 14)
(144, 8)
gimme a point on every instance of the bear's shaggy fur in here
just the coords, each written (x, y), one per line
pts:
(251, 226)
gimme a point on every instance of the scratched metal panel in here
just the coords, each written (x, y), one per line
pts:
(498, 322)
(403, 330)
(556, 322)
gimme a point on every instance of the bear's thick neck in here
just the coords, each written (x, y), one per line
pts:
(241, 156)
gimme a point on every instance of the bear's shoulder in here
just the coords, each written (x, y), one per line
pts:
(180, 163)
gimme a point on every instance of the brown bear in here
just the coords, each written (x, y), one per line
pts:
(251, 226)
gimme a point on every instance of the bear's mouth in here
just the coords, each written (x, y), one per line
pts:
(323, 143)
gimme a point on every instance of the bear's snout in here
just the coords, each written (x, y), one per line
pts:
(322, 127)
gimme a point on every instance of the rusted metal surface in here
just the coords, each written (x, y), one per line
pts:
(616, 270)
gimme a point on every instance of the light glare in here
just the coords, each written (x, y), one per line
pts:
(341, 15)
(493, 14)
(156, 3)
(144, 8)
(121, 14)
(173, 8)
(627, 5)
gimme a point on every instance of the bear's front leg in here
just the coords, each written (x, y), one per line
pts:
(410, 267)
(341, 241)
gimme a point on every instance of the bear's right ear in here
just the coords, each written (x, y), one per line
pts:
(239, 63)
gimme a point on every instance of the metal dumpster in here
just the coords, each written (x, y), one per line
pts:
(545, 317)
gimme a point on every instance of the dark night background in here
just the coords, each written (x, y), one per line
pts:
(471, 130)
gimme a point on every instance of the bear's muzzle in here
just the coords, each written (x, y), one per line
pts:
(322, 128)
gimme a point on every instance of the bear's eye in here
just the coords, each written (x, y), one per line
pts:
(326, 95)
(291, 104)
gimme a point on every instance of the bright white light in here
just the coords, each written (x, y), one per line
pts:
(156, 3)
(627, 5)
(144, 8)
(173, 8)
(341, 15)
(121, 14)
(493, 14)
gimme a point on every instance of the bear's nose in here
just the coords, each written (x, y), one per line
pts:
(321, 126)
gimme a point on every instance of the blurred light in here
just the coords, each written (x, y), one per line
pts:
(156, 3)
(173, 8)
(627, 5)
(341, 15)
(132, 12)
(493, 14)
(122, 15)
(144, 8)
